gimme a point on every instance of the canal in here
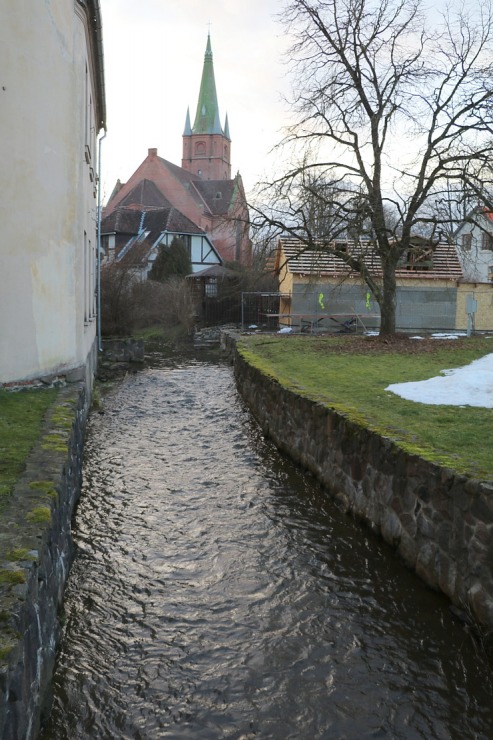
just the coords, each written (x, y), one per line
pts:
(218, 592)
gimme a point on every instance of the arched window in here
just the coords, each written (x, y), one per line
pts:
(200, 148)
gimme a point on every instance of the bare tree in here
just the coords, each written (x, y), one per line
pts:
(394, 108)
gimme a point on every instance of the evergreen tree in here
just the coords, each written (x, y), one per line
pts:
(171, 261)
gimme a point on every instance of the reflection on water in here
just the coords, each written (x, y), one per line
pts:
(219, 593)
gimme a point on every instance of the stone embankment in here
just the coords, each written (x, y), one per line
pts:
(36, 551)
(440, 522)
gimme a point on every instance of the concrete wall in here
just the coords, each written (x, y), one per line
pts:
(36, 551)
(440, 523)
(48, 111)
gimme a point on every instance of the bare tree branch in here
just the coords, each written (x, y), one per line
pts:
(395, 115)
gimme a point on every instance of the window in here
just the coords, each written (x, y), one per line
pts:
(487, 241)
(200, 148)
(210, 288)
(340, 246)
(466, 241)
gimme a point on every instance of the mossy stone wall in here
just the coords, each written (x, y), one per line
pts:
(440, 522)
(36, 552)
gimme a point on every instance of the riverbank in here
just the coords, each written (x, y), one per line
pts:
(355, 375)
(35, 555)
(439, 521)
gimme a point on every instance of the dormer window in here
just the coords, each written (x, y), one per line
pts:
(340, 246)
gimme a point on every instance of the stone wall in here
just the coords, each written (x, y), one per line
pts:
(36, 551)
(441, 523)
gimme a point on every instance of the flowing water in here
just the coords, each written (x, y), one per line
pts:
(219, 593)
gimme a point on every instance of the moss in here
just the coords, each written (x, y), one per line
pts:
(20, 426)
(55, 441)
(12, 577)
(42, 485)
(20, 553)
(63, 416)
(46, 486)
(96, 402)
(5, 651)
(39, 515)
(8, 640)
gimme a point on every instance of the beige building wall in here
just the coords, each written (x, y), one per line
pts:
(483, 294)
(49, 122)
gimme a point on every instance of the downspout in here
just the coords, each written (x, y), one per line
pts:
(100, 343)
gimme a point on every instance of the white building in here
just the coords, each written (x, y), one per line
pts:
(474, 239)
(52, 109)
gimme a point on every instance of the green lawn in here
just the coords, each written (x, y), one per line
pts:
(351, 377)
(21, 415)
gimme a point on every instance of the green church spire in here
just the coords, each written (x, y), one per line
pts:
(207, 115)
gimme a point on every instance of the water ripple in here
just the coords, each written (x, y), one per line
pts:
(218, 593)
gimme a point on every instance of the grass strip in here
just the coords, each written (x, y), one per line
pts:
(351, 376)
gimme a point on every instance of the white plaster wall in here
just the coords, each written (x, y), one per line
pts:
(46, 202)
(477, 263)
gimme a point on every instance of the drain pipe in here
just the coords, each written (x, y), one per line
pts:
(100, 344)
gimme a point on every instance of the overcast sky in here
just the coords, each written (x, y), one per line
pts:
(154, 52)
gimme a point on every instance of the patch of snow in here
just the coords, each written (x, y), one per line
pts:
(471, 385)
(448, 335)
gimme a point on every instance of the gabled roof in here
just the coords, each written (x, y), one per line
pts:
(156, 176)
(218, 194)
(474, 217)
(160, 172)
(145, 194)
(137, 255)
(443, 262)
(134, 221)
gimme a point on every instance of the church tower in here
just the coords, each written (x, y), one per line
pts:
(207, 146)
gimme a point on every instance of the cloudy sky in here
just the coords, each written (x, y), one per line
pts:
(154, 52)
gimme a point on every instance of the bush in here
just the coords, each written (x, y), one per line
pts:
(128, 304)
(179, 306)
(116, 299)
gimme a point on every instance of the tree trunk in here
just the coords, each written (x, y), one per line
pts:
(388, 304)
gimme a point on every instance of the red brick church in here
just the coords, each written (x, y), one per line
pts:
(199, 198)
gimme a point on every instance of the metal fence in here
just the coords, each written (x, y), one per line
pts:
(351, 307)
